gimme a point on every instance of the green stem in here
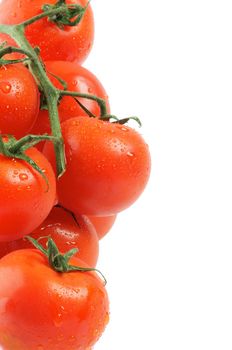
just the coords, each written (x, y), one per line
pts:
(10, 49)
(63, 15)
(59, 261)
(6, 62)
(51, 93)
(2, 147)
(53, 12)
(18, 145)
(100, 101)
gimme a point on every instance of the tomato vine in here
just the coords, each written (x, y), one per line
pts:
(62, 14)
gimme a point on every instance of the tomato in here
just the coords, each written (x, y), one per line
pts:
(19, 100)
(102, 224)
(68, 44)
(108, 166)
(78, 79)
(46, 310)
(25, 197)
(66, 232)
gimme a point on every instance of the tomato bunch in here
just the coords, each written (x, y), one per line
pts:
(67, 168)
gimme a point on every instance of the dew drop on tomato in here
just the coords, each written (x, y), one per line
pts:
(72, 338)
(71, 243)
(23, 177)
(5, 87)
(130, 154)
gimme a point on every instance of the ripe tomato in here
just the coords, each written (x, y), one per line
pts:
(66, 232)
(44, 309)
(108, 166)
(102, 224)
(25, 197)
(78, 79)
(19, 100)
(69, 43)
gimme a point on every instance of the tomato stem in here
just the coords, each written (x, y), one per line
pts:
(58, 261)
(51, 12)
(62, 14)
(99, 100)
(27, 142)
(12, 148)
(17, 32)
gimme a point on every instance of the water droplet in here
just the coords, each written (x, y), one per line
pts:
(71, 243)
(28, 188)
(7, 107)
(72, 338)
(5, 87)
(124, 129)
(15, 172)
(130, 154)
(90, 90)
(23, 177)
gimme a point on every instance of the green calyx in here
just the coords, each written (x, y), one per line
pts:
(58, 261)
(68, 15)
(12, 148)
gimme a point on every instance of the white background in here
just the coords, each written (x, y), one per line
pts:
(168, 259)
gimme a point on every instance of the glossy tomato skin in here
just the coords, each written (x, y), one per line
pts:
(108, 166)
(55, 311)
(66, 233)
(68, 44)
(102, 224)
(25, 197)
(78, 79)
(19, 100)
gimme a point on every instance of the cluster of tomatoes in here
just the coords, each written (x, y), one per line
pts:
(53, 298)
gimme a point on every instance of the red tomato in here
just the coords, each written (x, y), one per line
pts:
(62, 228)
(41, 126)
(19, 100)
(25, 197)
(78, 79)
(46, 310)
(108, 166)
(102, 224)
(69, 43)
